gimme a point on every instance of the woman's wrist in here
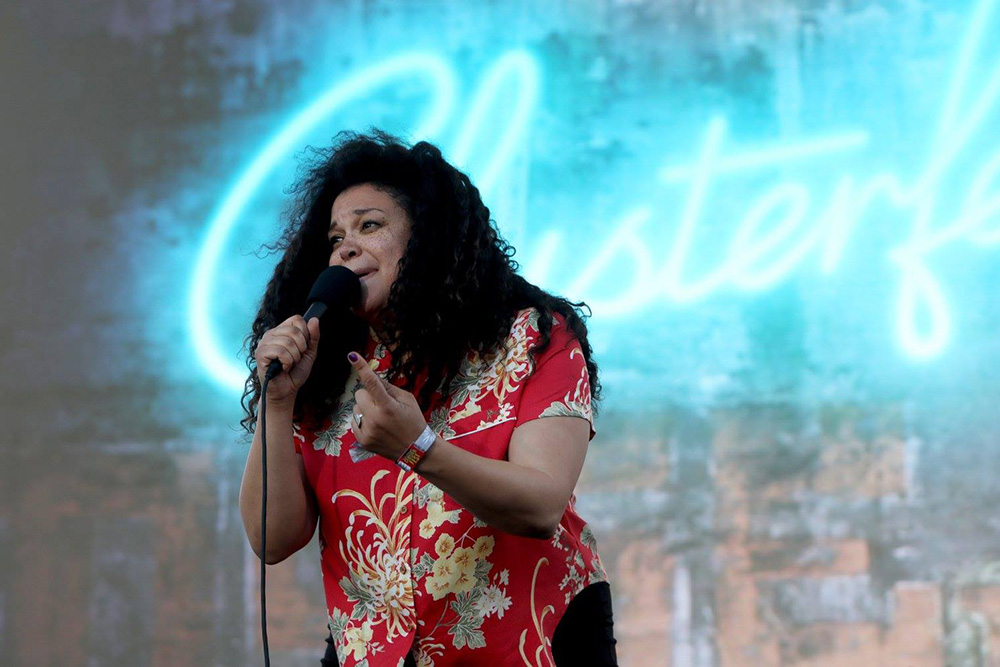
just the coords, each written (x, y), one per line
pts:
(430, 464)
(284, 403)
(417, 450)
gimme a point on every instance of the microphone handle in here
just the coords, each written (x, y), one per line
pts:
(316, 309)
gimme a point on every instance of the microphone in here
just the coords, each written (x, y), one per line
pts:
(337, 288)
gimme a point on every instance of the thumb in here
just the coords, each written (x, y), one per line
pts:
(313, 326)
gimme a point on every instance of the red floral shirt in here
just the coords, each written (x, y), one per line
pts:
(406, 566)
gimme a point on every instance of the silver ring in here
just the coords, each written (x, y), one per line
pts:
(357, 418)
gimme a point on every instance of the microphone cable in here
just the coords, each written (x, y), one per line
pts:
(273, 369)
(263, 514)
(337, 287)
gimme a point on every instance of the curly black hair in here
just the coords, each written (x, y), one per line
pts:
(457, 289)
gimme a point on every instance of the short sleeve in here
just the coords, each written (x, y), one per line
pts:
(559, 384)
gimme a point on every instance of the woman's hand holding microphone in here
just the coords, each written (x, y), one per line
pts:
(289, 505)
(294, 343)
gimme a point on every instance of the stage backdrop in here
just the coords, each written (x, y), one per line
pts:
(785, 216)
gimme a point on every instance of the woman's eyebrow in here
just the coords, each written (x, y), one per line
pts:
(358, 212)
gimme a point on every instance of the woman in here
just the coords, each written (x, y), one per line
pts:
(413, 430)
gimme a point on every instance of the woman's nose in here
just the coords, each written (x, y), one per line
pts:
(347, 250)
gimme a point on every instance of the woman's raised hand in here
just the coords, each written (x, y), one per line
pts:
(391, 417)
(294, 343)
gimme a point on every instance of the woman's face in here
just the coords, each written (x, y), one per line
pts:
(368, 234)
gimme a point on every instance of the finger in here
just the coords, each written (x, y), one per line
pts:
(313, 327)
(359, 438)
(282, 336)
(372, 382)
(271, 352)
(294, 340)
(363, 403)
(301, 328)
(290, 345)
(294, 325)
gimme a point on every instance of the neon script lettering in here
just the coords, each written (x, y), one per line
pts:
(785, 226)
(780, 229)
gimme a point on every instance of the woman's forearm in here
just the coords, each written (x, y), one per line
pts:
(291, 519)
(511, 497)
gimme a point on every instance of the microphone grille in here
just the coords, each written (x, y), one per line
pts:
(337, 287)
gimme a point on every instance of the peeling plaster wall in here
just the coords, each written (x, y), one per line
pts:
(790, 467)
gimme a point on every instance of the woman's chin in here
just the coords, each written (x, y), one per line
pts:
(365, 312)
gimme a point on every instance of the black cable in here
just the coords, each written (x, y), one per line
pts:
(263, 516)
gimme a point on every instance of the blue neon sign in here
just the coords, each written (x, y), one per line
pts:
(787, 227)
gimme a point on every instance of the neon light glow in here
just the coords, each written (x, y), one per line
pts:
(515, 71)
(787, 228)
(441, 80)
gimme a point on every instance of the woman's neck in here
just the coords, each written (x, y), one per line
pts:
(377, 329)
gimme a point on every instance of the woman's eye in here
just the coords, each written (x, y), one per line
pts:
(334, 240)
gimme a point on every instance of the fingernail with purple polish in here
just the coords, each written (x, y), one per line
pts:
(353, 357)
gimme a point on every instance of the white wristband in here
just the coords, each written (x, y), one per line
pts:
(416, 451)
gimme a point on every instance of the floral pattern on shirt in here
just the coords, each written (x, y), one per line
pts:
(379, 583)
(329, 439)
(496, 373)
(576, 402)
(405, 567)
(460, 568)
